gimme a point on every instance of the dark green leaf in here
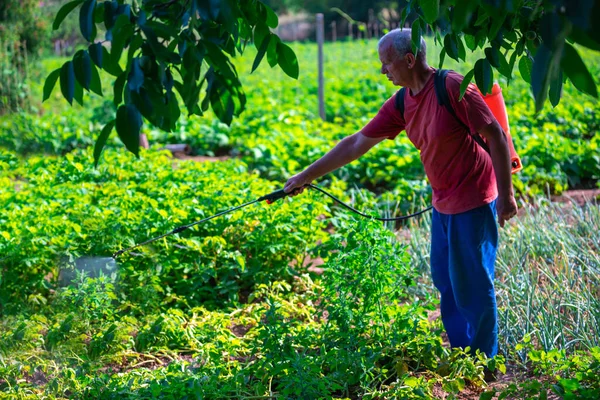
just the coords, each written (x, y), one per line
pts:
(470, 42)
(582, 38)
(112, 68)
(462, 13)
(497, 21)
(135, 79)
(493, 56)
(119, 85)
(430, 9)
(287, 60)
(106, 131)
(525, 68)
(272, 20)
(67, 81)
(484, 76)
(416, 36)
(465, 83)
(556, 90)
(174, 112)
(50, 82)
(451, 46)
(261, 31)
(482, 17)
(122, 31)
(504, 67)
(95, 83)
(272, 56)
(442, 58)
(63, 12)
(110, 14)
(86, 20)
(541, 76)
(78, 94)
(578, 74)
(83, 68)
(261, 53)
(129, 122)
(95, 51)
(462, 52)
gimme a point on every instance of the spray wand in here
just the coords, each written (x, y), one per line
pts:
(269, 198)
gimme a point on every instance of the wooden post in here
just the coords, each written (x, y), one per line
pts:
(350, 30)
(320, 35)
(333, 31)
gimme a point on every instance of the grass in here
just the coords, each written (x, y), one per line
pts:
(547, 275)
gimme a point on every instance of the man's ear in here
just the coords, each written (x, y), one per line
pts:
(411, 61)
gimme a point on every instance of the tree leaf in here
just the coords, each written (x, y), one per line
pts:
(63, 12)
(101, 142)
(261, 53)
(442, 58)
(451, 46)
(578, 74)
(50, 83)
(122, 31)
(465, 83)
(78, 93)
(67, 81)
(430, 9)
(86, 20)
(272, 20)
(484, 76)
(462, 12)
(272, 56)
(462, 52)
(83, 68)
(129, 122)
(555, 92)
(287, 60)
(261, 31)
(497, 21)
(95, 51)
(493, 56)
(525, 68)
(540, 76)
(95, 83)
(416, 36)
(470, 42)
(135, 79)
(119, 85)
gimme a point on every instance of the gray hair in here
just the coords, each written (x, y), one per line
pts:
(402, 42)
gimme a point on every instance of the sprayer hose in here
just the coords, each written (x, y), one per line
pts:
(354, 210)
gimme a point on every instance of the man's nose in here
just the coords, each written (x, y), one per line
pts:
(383, 69)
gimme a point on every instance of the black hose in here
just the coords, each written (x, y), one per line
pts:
(354, 210)
(270, 198)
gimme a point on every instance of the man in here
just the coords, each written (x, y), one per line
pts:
(470, 187)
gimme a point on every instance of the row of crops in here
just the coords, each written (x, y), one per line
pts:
(232, 308)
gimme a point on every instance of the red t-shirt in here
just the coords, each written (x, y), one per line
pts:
(459, 170)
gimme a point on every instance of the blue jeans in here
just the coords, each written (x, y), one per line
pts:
(463, 252)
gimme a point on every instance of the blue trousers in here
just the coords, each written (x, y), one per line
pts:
(463, 252)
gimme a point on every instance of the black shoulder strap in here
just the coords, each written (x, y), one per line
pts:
(400, 101)
(441, 92)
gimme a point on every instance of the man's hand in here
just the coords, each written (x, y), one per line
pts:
(506, 207)
(296, 184)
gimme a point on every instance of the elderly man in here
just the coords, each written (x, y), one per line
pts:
(470, 187)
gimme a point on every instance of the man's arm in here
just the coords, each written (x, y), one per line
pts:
(347, 150)
(506, 205)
